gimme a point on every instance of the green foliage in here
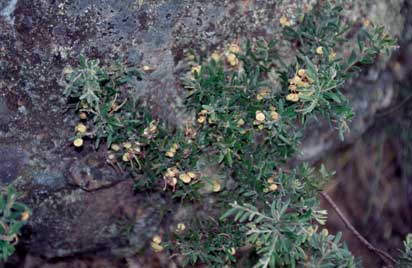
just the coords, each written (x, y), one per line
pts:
(283, 231)
(211, 242)
(251, 109)
(405, 259)
(13, 215)
(284, 237)
(97, 94)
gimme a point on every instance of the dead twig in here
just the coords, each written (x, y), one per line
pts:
(384, 256)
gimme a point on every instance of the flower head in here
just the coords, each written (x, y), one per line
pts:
(234, 48)
(25, 216)
(81, 128)
(127, 145)
(180, 227)
(192, 175)
(273, 187)
(155, 244)
(78, 142)
(147, 68)
(170, 154)
(240, 122)
(294, 97)
(196, 69)
(157, 239)
(284, 21)
(115, 147)
(274, 115)
(216, 186)
(215, 56)
(126, 157)
(185, 178)
(201, 119)
(260, 116)
(232, 59)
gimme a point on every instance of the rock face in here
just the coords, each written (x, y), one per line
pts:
(79, 204)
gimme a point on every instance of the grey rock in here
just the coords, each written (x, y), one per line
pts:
(79, 204)
(92, 173)
(11, 161)
(76, 221)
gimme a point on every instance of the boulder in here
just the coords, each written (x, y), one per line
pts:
(79, 204)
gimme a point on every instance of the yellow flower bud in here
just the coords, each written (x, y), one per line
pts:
(171, 173)
(115, 147)
(274, 115)
(81, 128)
(240, 122)
(216, 186)
(156, 247)
(295, 80)
(292, 97)
(201, 119)
(302, 73)
(25, 216)
(127, 145)
(232, 251)
(172, 181)
(293, 88)
(260, 116)
(170, 154)
(319, 50)
(273, 187)
(196, 69)
(157, 239)
(232, 59)
(234, 48)
(125, 157)
(284, 21)
(147, 68)
(78, 142)
(191, 175)
(180, 227)
(215, 56)
(185, 178)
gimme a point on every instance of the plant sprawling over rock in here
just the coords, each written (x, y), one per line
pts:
(229, 162)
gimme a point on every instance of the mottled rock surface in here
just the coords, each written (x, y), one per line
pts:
(79, 204)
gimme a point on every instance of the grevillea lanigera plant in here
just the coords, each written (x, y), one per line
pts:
(229, 162)
(13, 215)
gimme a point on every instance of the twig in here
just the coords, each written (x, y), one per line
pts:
(384, 256)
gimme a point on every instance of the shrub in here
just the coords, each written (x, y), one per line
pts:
(13, 215)
(251, 109)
